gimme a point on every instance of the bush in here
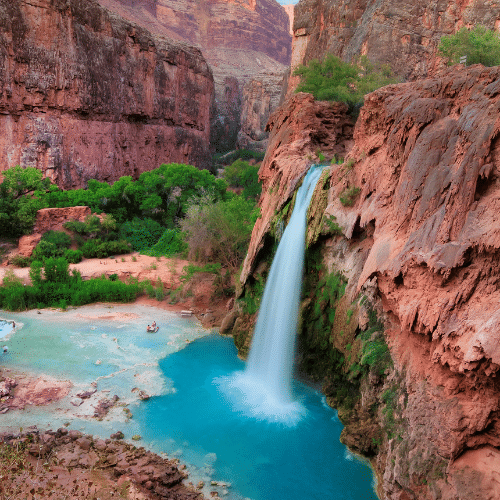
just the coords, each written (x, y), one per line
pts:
(335, 80)
(242, 174)
(141, 233)
(349, 195)
(59, 238)
(479, 44)
(75, 226)
(52, 244)
(18, 205)
(73, 256)
(21, 260)
(170, 244)
(219, 231)
(44, 250)
(95, 248)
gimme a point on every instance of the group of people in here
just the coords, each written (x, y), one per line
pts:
(152, 327)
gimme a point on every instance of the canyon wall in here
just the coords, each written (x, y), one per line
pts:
(85, 94)
(409, 351)
(404, 34)
(242, 40)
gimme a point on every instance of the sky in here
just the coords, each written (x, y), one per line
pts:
(288, 2)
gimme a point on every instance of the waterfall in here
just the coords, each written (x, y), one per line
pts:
(266, 381)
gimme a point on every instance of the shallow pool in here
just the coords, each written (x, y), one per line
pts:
(189, 415)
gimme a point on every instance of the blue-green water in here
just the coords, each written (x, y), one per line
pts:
(189, 415)
(264, 461)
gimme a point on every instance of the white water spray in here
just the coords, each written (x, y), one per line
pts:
(266, 382)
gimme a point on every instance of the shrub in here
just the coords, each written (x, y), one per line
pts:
(219, 231)
(170, 244)
(242, 174)
(18, 205)
(10, 280)
(95, 248)
(44, 250)
(21, 260)
(56, 270)
(73, 256)
(335, 80)
(59, 238)
(75, 226)
(52, 244)
(141, 233)
(479, 44)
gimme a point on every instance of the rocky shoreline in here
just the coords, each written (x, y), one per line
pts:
(69, 464)
(53, 463)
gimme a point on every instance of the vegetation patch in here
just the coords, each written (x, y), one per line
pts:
(335, 80)
(349, 195)
(478, 45)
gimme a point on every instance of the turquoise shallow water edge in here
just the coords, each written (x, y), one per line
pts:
(188, 416)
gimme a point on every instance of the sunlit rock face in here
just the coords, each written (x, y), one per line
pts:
(404, 34)
(421, 243)
(85, 94)
(242, 40)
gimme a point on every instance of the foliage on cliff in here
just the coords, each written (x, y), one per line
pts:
(480, 45)
(335, 80)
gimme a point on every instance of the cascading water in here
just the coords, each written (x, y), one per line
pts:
(266, 382)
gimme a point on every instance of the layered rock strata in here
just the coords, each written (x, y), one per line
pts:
(410, 220)
(242, 40)
(404, 34)
(85, 94)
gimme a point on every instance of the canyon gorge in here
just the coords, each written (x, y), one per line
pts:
(247, 45)
(399, 318)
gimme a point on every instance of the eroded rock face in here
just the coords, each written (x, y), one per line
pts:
(299, 130)
(421, 244)
(50, 219)
(404, 34)
(428, 167)
(242, 40)
(85, 94)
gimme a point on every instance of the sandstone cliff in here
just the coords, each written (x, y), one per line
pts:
(404, 33)
(85, 94)
(242, 40)
(416, 333)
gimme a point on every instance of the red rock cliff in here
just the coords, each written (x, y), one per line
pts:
(242, 40)
(403, 33)
(85, 94)
(421, 245)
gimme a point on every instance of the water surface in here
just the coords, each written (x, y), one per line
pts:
(190, 415)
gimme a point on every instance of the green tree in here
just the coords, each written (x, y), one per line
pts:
(480, 44)
(240, 174)
(168, 189)
(335, 80)
(18, 203)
